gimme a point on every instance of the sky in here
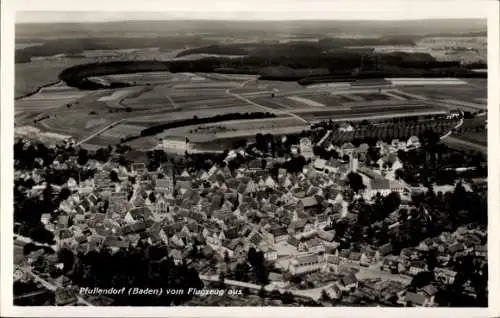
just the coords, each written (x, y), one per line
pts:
(50, 11)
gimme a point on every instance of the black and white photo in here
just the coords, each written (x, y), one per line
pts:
(251, 157)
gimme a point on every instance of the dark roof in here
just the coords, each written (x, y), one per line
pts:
(133, 228)
(385, 249)
(141, 213)
(231, 233)
(298, 224)
(348, 280)
(456, 247)
(326, 235)
(279, 231)
(430, 290)
(256, 239)
(293, 241)
(355, 256)
(379, 184)
(415, 298)
(309, 201)
(306, 259)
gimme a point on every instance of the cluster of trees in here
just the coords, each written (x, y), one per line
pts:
(253, 269)
(432, 215)
(23, 288)
(325, 154)
(283, 61)
(76, 46)
(402, 71)
(294, 165)
(37, 155)
(28, 212)
(399, 128)
(144, 266)
(355, 182)
(438, 164)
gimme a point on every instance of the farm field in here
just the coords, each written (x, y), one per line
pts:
(480, 138)
(237, 128)
(30, 76)
(74, 125)
(305, 101)
(169, 116)
(49, 98)
(464, 144)
(359, 111)
(465, 93)
(163, 97)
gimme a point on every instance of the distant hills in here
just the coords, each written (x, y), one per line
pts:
(251, 28)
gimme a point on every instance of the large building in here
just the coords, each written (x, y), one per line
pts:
(305, 264)
(306, 148)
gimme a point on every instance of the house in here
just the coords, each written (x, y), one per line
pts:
(344, 257)
(346, 127)
(319, 164)
(322, 220)
(456, 248)
(384, 187)
(292, 240)
(348, 283)
(368, 258)
(138, 168)
(270, 253)
(65, 297)
(140, 214)
(314, 245)
(445, 275)
(430, 292)
(389, 265)
(417, 267)
(413, 143)
(383, 250)
(176, 255)
(298, 226)
(332, 263)
(334, 292)
(354, 258)
(347, 149)
(327, 236)
(279, 234)
(414, 300)
(396, 144)
(161, 205)
(481, 250)
(133, 228)
(302, 264)
(305, 146)
(165, 186)
(256, 165)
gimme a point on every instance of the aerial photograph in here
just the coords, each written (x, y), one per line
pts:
(244, 160)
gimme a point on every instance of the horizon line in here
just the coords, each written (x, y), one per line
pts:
(179, 19)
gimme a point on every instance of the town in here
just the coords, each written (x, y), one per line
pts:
(290, 220)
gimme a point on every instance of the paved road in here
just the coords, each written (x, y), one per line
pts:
(370, 273)
(314, 293)
(325, 137)
(98, 132)
(460, 123)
